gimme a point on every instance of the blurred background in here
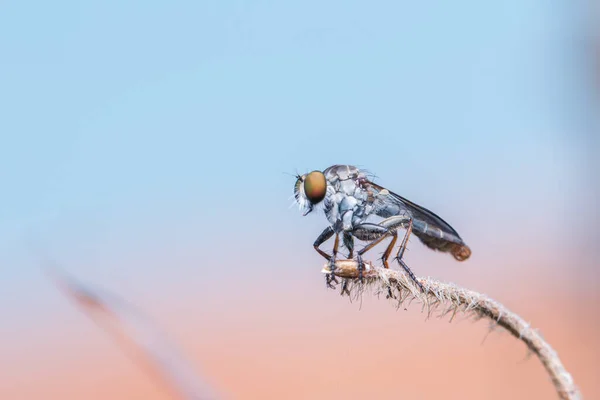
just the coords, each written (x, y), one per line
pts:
(149, 148)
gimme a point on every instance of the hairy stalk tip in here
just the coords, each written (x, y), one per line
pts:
(451, 299)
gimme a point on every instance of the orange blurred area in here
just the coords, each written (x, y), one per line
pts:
(378, 352)
(282, 345)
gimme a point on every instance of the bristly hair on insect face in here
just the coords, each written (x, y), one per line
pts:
(299, 196)
(294, 196)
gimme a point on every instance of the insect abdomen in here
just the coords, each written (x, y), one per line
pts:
(437, 239)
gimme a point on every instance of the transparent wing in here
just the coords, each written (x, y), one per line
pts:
(432, 230)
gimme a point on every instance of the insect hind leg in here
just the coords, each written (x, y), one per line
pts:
(411, 274)
(400, 254)
(377, 232)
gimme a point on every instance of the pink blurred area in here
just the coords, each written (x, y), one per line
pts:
(263, 336)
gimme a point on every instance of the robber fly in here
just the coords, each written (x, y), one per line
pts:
(356, 207)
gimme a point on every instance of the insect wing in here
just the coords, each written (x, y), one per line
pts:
(431, 229)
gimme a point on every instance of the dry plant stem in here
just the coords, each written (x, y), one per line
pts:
(452, 299)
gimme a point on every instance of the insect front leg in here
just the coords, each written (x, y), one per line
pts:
(323, 237)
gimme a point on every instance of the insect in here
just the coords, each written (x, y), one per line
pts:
(358, 208)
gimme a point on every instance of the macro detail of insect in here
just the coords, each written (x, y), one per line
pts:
(357, 208)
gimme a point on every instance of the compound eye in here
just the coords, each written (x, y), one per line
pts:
(315, 186)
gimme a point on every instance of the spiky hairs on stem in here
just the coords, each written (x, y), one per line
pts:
(449, 298)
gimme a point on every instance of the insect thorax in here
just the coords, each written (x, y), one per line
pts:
(347, 202)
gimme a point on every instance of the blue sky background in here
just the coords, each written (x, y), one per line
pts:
(137, 135)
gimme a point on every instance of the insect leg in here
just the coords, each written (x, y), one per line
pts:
(331, 277)
(323, 237)
(375, 233)
(410, 273)
(388, 250)
(405, 239)
(349, 243)
(393, 223)
(400, 254)
(336, 244)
